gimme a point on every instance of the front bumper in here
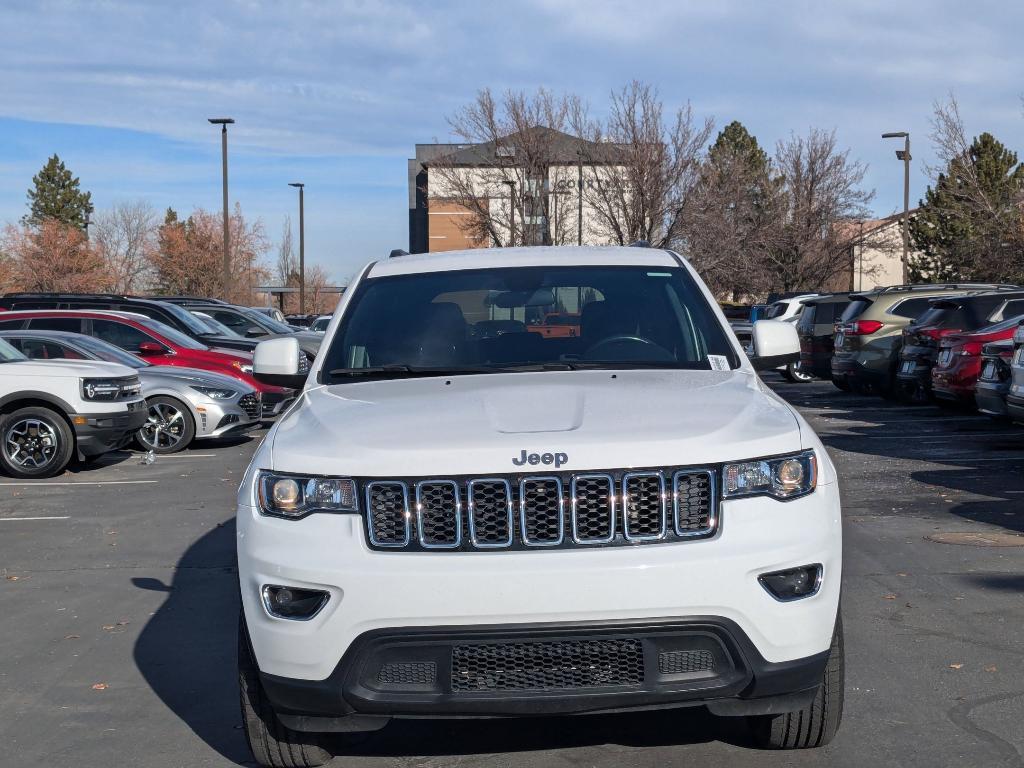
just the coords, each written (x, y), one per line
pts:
(372, 591)
(219, 418)
(104, 432)
(560, 668)
(274, 403)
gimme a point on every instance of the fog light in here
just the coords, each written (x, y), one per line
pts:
(293, 602)
(792, 584)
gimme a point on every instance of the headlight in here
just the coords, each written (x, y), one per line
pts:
(297, 496)
(101, 389)
(784, 477)
(217, 393)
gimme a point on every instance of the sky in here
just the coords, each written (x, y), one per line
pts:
(336, 93)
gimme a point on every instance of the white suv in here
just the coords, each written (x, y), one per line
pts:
(51, 411)
(460, 516)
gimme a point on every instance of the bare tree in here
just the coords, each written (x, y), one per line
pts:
(287, 265)
(820, 194)
(124, 237)
(502, 182)
(642, 167)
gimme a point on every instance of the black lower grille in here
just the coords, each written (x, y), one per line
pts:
(680, 662)
(251, 405)
(408, 673)
(544, 666)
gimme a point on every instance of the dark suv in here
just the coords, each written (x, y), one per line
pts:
(163, 311)
(946, 316)
(816, 329)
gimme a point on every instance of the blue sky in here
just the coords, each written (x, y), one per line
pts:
(336, 94)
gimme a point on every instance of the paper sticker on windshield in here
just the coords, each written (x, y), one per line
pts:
(718, 362)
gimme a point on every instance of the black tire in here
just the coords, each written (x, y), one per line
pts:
(170, 427)
(816, 724)
(35, 442)
(272, 744)
(842, 384)
(794, 374)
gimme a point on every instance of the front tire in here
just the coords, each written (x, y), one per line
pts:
(816, 724)
(169, 427)
(35, 442)
(795, 374)
(272, 744)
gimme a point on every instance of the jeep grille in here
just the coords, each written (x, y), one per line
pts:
(541, 512)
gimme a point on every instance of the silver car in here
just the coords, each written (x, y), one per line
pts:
(185, 404)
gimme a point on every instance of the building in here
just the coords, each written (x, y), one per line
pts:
(521, 189)
(876, 255)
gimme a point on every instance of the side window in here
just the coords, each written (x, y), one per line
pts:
(230, 319)
(119, 334)
(1013, 308)
(11, 325)
(910, 308)
(144, 310)
(59, 351)
(70, 324)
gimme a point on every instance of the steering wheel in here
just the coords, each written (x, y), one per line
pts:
(608, 349)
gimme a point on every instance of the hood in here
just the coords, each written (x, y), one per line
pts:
(63, 367)
(169, 373)
(479, 424)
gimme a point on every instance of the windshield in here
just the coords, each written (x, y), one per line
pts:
(9, 354)
(488, 320)
(187, 319)
(215, 326)
(104, 350)
(171, 334)
(269, 323)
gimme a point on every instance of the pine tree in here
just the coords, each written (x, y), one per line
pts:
(734, 143)
(968, 225)
(56, 194)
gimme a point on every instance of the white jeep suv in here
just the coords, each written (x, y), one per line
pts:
(52, 411)
(462, 517)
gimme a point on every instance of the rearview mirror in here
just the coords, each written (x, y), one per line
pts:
(278, 362)
(775, 343)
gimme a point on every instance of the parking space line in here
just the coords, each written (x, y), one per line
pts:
(79, 482)
(179, 456)
(9, 519)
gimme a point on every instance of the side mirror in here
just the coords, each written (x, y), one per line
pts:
(279, 362)
(151, 348)
(774, 344)
(254, 331)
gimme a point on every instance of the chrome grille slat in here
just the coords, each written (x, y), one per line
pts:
(541, 511)
(491, 512)
(387, 507)
(644, 506)
(438, 514)
(532, 512)
(593, 508)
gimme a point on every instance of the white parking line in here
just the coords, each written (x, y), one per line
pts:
(8, 519)
(79, 482)
(179, 456)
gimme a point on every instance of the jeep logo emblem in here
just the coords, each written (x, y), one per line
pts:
(558, 459)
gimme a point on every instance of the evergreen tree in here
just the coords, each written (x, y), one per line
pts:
(734, 143)
(56, 194)
(968, 225)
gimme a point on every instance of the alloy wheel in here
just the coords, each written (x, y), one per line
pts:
(31, 443)
(164, 428)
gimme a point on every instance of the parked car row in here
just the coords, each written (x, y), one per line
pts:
(85, 374)
(955, 344)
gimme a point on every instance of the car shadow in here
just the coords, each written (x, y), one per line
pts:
(187, 654)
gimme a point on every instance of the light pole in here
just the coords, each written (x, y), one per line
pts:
(302, 247)
(579, 188)
(904, 155)
(224, 122)
(511, 210)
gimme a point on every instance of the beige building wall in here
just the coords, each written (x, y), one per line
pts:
(879, 262)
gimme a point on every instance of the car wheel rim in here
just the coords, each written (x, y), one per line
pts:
(165, 426)
(31, 443)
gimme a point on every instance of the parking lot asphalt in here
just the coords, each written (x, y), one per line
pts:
(118, 609)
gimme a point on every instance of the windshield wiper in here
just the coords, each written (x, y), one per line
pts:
(400, 370)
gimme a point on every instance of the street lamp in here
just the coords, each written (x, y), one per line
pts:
(302, 247)
(511, 210)
(904, 155)
(224, 122)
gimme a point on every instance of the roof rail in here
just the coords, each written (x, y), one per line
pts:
(949, 286)
(62, 294)
(180, 299)
(640, 244)
(397, 252)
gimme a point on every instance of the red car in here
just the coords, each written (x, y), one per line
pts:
(154, 341)
(958, 365)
